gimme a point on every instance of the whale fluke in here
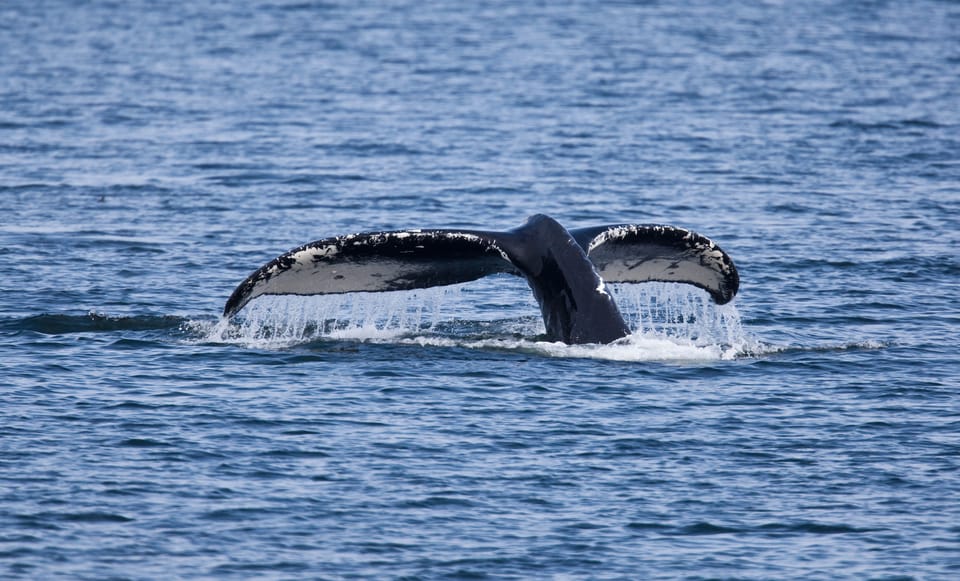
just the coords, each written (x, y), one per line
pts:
(653, 252)
(374, 262)
(565, 269)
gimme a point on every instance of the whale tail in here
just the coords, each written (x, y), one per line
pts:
(565, 269)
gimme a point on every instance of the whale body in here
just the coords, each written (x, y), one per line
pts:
(566, 269)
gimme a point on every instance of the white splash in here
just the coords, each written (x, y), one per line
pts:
(635, 347)
(286, 320)
(679, 312)
(670, 322)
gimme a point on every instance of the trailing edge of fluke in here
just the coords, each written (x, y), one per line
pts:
(566, 269)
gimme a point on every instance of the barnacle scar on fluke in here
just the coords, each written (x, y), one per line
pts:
(566, 269)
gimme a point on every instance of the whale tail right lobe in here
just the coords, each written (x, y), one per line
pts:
(654, 252)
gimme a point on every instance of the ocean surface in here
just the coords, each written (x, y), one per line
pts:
(153, 154)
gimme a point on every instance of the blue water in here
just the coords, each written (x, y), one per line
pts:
(153, 154)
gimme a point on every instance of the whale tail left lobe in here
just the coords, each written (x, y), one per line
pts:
(375, 262)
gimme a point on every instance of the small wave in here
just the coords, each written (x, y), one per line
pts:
(866, 345)
(887, 125)
(768, 529)
(60, 324)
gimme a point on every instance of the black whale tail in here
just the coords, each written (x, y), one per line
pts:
(565, 269)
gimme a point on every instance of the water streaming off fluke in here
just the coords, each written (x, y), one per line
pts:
(669, 322)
